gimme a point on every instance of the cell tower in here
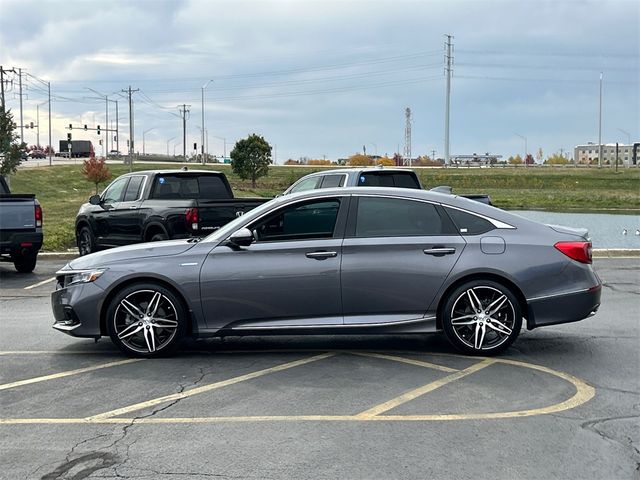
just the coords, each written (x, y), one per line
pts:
(407, 138)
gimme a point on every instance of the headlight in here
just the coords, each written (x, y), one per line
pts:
(73, 277)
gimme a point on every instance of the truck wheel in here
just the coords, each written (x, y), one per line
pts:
(25, 263)
(86, 241)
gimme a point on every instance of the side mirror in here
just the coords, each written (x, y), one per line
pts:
(94, 200)
(241, 238)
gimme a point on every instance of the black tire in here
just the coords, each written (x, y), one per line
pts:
(25, 263)
(485, 329)
(159, 237)
(86, 241)
(141, 335)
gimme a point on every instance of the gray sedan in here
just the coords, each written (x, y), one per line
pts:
(348, 260)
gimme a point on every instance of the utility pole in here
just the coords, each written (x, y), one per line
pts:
(117, 135)
(129, 91)
(448, 58)
(106, 111)
(600, 126)
(433, 154)
(21, 119)
(49, 101)
(183, 113)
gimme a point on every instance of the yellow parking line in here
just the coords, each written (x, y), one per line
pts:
(410, 361)
(429, 387)
(68, 373)
(208, 388)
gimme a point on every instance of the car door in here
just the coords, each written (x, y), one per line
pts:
(124, 218)
(396, 255)
(289, 276)
(109, 201)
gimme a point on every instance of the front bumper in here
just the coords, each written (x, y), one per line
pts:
(564, 308)
(76, 310)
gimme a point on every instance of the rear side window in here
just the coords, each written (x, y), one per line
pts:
(469, 224)
(389, 179)
(134, 189)
(174, 187)
(391, 217)
(332, 181)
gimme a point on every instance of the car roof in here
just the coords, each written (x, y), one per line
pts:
(171, 172)
(360, 170)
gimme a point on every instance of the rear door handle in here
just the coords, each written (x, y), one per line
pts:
(439, 251)
(321, 255)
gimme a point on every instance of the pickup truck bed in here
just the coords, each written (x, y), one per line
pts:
(20, 228)
(158, 205)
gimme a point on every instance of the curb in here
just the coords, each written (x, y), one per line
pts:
(597, 253)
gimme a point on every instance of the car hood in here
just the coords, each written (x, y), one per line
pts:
(120, 254)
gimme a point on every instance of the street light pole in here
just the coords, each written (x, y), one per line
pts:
(526, 154)
(627, 134)
(600, 126)
(143, 140)
(202, 146)
(169, 141)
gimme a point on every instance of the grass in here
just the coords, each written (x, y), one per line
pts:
(62, 189)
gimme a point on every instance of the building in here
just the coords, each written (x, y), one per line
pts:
(627, 154)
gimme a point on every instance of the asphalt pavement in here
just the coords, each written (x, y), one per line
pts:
(563, 402)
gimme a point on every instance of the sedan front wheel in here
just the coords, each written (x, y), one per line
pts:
(146, 320)
(482, 317)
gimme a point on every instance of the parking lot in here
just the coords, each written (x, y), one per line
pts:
(563, 402)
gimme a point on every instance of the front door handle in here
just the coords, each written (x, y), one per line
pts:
(321, 255)
(439, 251)
(133, 207)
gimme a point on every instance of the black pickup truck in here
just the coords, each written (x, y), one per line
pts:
(20, 228)
(158, 205)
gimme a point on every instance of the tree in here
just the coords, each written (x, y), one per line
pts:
(517, 160)
(386, 162)
(11, 152)
(358, 160)
(96, 171)
(539, 155)
(251, 157)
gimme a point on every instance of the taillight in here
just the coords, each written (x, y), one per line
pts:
(38, 216)
(578, 251)
(191, 218)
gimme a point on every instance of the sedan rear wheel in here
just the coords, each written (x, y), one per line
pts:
(482, 317)
(146, 320)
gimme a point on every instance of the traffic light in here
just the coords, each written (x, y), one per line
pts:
(85, 127)
(68, 137)
(195, 146)
(31, 125)
(98, 129)
(70, 127)
(100, 141)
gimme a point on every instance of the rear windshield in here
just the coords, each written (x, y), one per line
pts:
(172, 187)
(389, 179)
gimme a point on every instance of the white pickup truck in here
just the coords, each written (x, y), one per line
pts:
(20, 228)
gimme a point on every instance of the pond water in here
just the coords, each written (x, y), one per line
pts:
(606, 230)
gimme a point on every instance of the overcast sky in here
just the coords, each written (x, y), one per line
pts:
(327, 77)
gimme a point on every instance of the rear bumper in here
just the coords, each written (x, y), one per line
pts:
(563, 308)
(14, 242)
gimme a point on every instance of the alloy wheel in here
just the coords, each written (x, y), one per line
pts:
(146, 321)
(483, 318)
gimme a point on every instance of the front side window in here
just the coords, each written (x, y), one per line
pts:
(115, 193)
(469, 224)
(302, 221)
(392, 217)
(308, 184)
